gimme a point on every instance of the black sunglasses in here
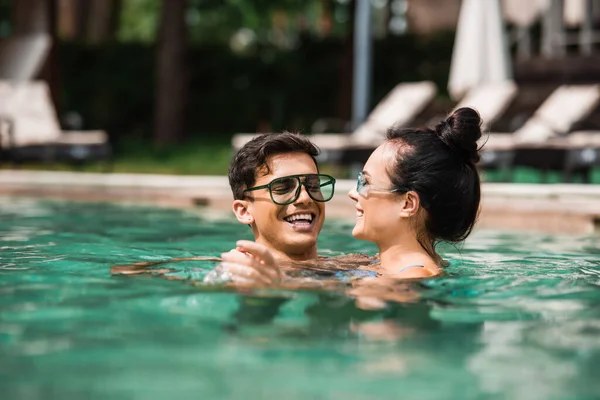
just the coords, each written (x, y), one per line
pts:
(286, 190)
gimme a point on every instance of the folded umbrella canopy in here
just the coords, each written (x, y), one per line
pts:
(480, 54)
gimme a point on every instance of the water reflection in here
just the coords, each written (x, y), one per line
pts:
(516, 316)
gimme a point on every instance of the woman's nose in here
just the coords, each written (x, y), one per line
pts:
(353, 194)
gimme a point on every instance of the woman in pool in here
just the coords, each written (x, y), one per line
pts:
(417, 189)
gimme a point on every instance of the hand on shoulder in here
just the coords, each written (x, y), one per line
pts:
(251, 263)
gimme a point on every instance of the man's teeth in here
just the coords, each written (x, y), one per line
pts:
(296, 217)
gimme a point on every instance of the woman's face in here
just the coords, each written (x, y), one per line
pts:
(378, 207)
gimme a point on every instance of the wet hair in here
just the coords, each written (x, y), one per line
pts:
(439, 164)
(254, 155)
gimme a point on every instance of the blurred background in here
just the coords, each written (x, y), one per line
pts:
(170, 82)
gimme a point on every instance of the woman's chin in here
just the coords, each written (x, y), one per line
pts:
(357, 233)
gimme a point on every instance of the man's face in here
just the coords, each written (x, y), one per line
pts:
(288, 230)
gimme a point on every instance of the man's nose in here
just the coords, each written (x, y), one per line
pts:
(303, 196)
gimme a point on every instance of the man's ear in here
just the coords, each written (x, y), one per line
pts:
(411, 204)
(243, 215)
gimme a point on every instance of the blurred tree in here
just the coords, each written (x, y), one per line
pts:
(344, 110)
(326, 19)
(91, 20)
(138, 20)
(31, 16)
(217, 21)
(171, 74)
(102, 20)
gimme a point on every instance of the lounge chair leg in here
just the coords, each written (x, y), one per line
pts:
(586, 174)
(544, 178)
(109, 165)
(567, 175)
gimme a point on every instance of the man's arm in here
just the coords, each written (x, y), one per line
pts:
(144, 266)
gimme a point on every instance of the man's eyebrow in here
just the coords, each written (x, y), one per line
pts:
(364, 172)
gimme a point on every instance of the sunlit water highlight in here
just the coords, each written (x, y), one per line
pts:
(517, 316)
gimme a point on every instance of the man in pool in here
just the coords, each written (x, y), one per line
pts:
(280, 194)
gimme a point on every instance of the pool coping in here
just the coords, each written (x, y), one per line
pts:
(549, 208)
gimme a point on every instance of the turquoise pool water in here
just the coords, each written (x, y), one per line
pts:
(518, 316)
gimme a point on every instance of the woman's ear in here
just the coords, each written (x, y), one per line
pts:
(242, 212)
(411, 204)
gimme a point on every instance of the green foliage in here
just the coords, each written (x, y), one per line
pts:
(112, 85)
(217, 21)
(205, 156)
(139, 20)
(532, 175)
(5, 18)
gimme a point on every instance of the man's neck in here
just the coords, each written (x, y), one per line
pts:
(309, 253)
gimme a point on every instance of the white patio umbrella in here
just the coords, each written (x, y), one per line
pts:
(480, 54)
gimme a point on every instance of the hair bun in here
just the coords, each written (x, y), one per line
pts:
(461, 131)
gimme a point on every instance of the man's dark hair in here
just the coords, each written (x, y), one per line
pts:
(254, 155)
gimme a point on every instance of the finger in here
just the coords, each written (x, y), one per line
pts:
(237, 257)
(269, 270)
(257, 250)
(243, 274)
(267, 266)
(237, 250)
(241, 250)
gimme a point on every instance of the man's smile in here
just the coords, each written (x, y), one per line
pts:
(301, 221)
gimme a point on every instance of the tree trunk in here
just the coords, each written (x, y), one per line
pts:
(117, 6)
(31, 16)
(326, 18)
(68, 19)
(346, 69)
(100, 19)
(171, 73)
(93, 20)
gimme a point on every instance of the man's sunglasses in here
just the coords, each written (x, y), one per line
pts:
(286, 190)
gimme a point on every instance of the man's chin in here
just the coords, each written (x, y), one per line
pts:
(295, 244)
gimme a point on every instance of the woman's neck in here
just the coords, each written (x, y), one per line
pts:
(408, 252)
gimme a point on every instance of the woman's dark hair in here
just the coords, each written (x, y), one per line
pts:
(254, 155)
(439, 164)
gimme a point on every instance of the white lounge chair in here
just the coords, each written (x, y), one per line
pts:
(490, 100)
(29, 127)
(399, 107)
(545, 141)
(22, 56)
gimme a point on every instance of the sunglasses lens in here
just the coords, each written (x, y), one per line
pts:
(284, 190)
(360, 183)
(320, 187)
